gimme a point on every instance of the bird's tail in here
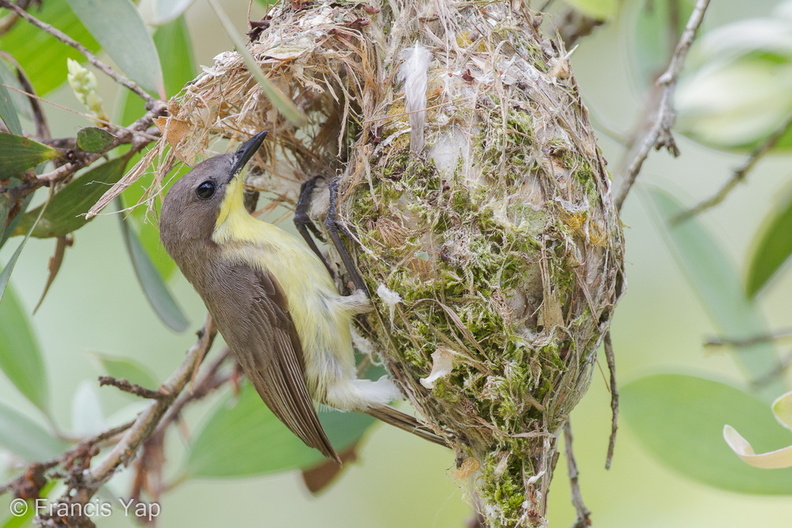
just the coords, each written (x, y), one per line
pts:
(405, 422)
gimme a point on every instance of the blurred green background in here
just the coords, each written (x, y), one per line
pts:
(660, 325)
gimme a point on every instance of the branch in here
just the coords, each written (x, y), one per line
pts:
(739, 174)
(583, 514)
(209, 381)
(136, 134)
(659, 135)
(148, 419)
(66, 39)
(749, 341)
(83, 484)
(132, 388)
(39, 467)
(40, 120)
(614, 391)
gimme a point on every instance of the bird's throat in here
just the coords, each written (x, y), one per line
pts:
(234, 223)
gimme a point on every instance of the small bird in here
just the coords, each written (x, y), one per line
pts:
(273, 301)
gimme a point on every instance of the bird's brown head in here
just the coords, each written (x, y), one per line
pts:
(189, 212)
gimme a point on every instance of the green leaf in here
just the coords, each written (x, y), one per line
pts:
(117, 25)
(86, 410)
(93, 139)
(600, 9)
(18, 153)
(154, 287)
(176, 53)
(26, 519)
(6, 204)
(773, 249)
(736, 88)
(26, 438)
(8, 112)
(66, 211)
(20, 355)
(5, 275)
(245, 438)
(130, 108)
(650, 42)
(166, 11)
(42, 56)
(715, 280)
(680, 420)
(126, 368)
(284, 105)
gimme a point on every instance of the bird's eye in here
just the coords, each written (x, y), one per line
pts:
(205, 190)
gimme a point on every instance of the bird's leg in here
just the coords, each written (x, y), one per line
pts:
(333, 228)
(304, 224)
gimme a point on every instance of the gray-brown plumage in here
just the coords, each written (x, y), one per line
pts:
(273, 301)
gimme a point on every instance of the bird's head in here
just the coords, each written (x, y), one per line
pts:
(194, 203)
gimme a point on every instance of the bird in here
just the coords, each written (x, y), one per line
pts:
(274, 302)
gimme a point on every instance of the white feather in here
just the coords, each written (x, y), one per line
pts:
(414, 73)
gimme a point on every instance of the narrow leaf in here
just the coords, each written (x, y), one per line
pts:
(42, 56)
(20, 355)
(5, 275)
(599, 9)
(117, 25)
(6, 205)
(715, 280)
(650, 35)
(86, 410)
(176, 53)
(166, 11)
(680, 419)
(245, 438)
(284, 105)
(320, 476)
(93, 139)
(154, 287)
(8, 112)
(5, 210)
(26, 519)
(126, 368)
(26, 438)
(66, 211)
(18, 153)
(54, 266)
(774, 248)
(129, 108)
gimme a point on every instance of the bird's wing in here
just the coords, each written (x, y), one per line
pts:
(268, 348)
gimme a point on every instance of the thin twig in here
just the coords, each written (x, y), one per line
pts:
(82, 487)
(583, 513)
(659, 135)
(739, 174)
(131, 388)
(209, 381)
(748, 341)
(148, 419)
(614, 392)
(775, 373)
(81, 447)
(137, 134)
(63, 37)
(39, 118)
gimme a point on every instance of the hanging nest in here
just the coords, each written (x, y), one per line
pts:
(478, 205)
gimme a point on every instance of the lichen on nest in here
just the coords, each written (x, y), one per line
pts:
(476, 198)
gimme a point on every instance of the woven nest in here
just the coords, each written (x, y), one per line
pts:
(477, 200)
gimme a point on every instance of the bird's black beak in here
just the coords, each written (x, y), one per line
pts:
(245, 152)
